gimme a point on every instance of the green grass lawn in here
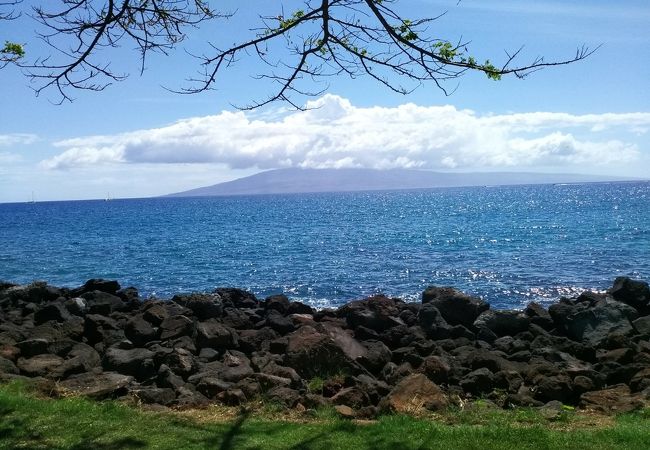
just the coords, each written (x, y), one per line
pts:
(30, 422)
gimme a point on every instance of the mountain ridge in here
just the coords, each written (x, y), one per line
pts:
(293, 181)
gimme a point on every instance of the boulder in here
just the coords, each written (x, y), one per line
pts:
(432, 322)
(256, 340)
(76, 306)
(203, 306)
(351, 396)
(8, 367)
(558, 387)
(33, 347)
(278, 322)
(40, 365)
(99, 302)
(155, 313)
(479, 381)
(211, 386)
(377, 313)
(98, 284)
(313, 353)
(376, 356)
(503, 322)
(139, 331)
(213, 334)
(641, 380)
(10, 352)
(279, 303)
(539, 315)
(239, 319)
(299, 308)
(615, 399)
(632, 292)
(154, 395)
(180, 361)
(37, 292)
(456, 307)
(167, 378)
(53, 311)
(352, 348)
(137, 362)
(344, 411)
(237, 298)
(96, 385)
(412, 394)
(642, 325)
(98, 328)
(81, 358)
(593, 325)
(270, 381)
(283, 396)
(176, 326)
(436, 369)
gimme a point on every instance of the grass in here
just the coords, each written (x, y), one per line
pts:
(30, 422)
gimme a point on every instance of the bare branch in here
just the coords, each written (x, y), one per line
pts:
(299, 48)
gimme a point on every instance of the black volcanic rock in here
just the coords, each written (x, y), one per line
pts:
(369, 355)
(204, 306)
(455, 307)
(633, 292)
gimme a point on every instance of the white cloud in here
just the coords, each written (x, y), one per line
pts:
(337, 134)
(7, 140)
(9, 158)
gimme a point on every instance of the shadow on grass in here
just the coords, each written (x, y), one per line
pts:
(259, 436)
(15, 429)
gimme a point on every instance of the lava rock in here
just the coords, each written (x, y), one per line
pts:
(414, 393)
(204, 306)
(456, 307)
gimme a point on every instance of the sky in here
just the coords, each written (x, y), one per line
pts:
(137, 139)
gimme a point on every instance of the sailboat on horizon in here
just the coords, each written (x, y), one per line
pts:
(32, 200)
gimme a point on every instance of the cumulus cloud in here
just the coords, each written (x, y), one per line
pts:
(333, 133)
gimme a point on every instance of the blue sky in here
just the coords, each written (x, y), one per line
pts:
(137, 139)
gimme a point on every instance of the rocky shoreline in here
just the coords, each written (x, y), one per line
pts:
(369, 356)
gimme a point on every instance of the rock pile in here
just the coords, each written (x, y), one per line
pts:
(371, 355)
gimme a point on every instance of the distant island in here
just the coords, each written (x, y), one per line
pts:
(291, 181)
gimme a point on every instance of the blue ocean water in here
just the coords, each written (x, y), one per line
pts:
(509, 245)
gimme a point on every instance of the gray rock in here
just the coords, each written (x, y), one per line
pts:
(154, 395)
(40, 365)
(76, 306)
(503, 323)
(137, 362)
(7, 366)
(96, 385)
(214, 335)
(593, 325)
(103, 303)
(176, 326)
(140, 331)
(642, 325)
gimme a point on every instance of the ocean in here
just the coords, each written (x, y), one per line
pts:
(509, 245)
